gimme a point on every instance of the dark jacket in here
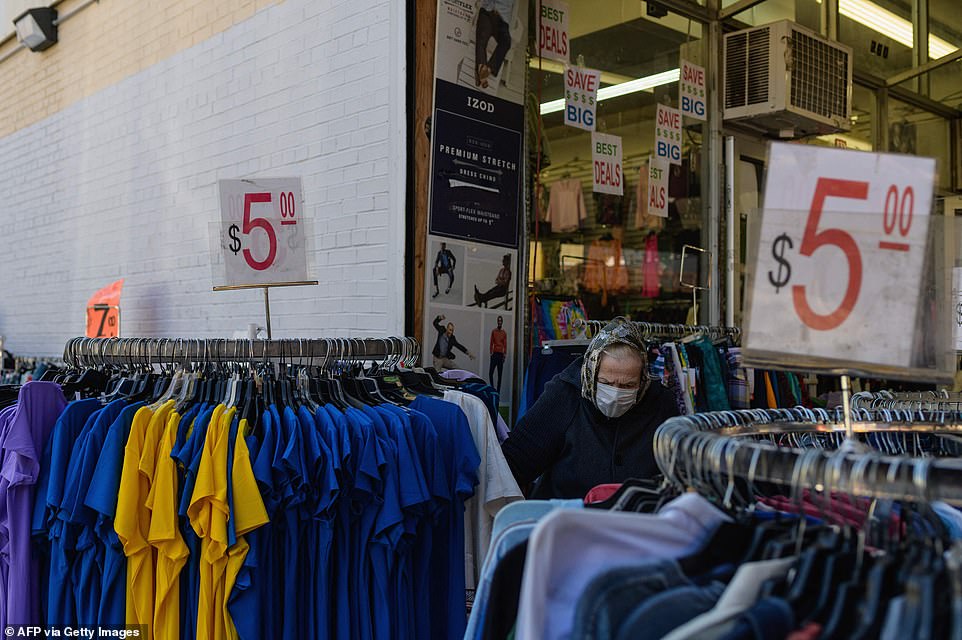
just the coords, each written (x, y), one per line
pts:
(452, 342)
(573, 446)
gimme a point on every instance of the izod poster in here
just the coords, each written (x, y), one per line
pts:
(668, 134)
(553, 30)
(658, 187)
(475, 200)
(581, 97)
(477, 132)
(606, 157)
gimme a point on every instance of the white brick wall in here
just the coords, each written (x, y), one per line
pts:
(123, 183)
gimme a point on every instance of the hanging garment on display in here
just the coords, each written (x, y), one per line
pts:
(651, 268)
(235, 498)
(566, 206)
(611, 210)
(605, 269)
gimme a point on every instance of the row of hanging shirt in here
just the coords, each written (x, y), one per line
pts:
(732, 558)
(320, 506)
(703, 374)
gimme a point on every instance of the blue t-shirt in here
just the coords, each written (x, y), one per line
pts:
(447, 555)
(388, 528)
(102, 498)
(45, 527)
(319, 533)
(414, 500)
(346, 522)
(369, 484)
(417, 584)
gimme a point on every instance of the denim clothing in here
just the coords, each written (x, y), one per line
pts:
(769, 619)
(660, 614)
(611, 597)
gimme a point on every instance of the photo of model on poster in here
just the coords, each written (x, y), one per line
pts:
(481, 45)
(455, 339)
(488, 292)
(497, 361)
(446, 271)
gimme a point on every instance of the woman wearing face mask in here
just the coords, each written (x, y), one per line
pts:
(595, 421)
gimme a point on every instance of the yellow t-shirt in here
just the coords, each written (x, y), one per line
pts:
(249, 513)
(132, 522)
(208, 513)
(164, 535)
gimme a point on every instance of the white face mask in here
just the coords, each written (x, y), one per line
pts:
(614, 402)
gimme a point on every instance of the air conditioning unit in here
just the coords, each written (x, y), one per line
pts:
(785, 80)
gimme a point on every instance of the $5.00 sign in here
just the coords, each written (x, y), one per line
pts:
(840, 259)
(262, 231)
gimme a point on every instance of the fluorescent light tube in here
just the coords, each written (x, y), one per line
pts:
(632, 86)
(888, 24)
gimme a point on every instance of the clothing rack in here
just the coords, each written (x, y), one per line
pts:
(80, 352)
(650, 330)
(709, 451)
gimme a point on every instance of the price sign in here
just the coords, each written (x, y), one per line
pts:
(841, 253)
(262, 237)
(103, 312)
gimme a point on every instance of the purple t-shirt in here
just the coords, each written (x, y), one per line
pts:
(39, 404)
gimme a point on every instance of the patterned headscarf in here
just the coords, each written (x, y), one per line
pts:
(617, 331)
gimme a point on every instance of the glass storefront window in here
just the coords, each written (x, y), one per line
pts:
(945, 84)
(920, 133)
(617, 260)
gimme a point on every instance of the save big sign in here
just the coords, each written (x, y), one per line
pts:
(606, 154)
(692, 90)
(581, 97)
(668, 134)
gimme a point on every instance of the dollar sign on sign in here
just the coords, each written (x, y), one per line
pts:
(778, 252)
(235, 243)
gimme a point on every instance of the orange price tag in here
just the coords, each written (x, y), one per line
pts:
(103, 312)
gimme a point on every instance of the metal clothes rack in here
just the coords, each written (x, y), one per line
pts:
(650, 330)
(88, 352)
(702, 452)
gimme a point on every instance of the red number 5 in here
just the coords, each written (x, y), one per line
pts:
(264, 225)
(813, 239)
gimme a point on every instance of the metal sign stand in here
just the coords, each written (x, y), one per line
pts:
(267, 297)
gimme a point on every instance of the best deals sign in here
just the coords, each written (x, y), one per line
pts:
(606, 156)
(553, 36)
(581, 97)
(668, 134)
(658, 187)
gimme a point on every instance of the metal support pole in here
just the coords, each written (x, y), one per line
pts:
(882, 119)
(729, 231)
(830, 19)
(920, 37)
(712, 162)
(847, 406)
(267, 310)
